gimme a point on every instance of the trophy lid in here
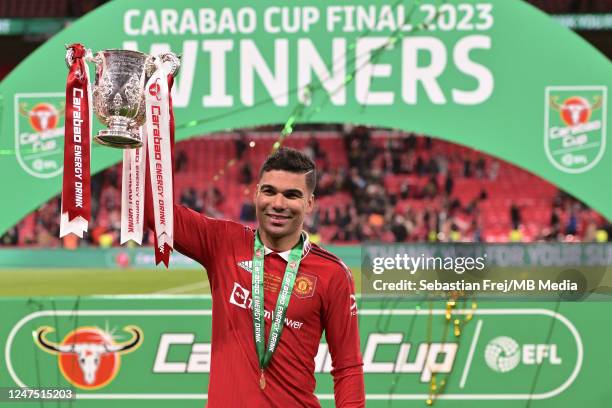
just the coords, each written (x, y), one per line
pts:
(123, 51)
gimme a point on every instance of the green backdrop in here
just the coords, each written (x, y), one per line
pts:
(560, 356)
(499, 76)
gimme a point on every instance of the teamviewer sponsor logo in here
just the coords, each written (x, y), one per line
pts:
(239, 296)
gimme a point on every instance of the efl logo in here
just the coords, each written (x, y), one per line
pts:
(39, 132)
(575, 126)
(503, 354)
(88, 357)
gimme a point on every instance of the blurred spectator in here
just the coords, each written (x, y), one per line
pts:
(241, 146)
(10, 237)
(431, 188)
(493, 170)
(480, 168)
(313, 149)
(247, 212)
(246, 174)
(180, 161)
(467, 168)
(432, 167)
(448, 184)
(189, 198)
(213, 196)
(398, 228)
(420, 166)
(515, 216)
(515, 235)
(572, 223)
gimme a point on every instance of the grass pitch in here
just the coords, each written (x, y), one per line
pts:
(93, 281)
(26, 282)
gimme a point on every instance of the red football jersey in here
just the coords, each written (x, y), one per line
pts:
(323, 299)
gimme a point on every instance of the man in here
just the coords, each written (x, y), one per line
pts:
(275, 369)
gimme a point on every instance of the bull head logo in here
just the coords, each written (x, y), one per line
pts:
(42, 117)
(575, 110)
(155, 89)
(88, 357)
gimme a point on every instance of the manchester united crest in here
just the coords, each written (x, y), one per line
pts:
(304, 285)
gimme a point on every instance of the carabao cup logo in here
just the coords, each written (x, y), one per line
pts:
(88, 357)
(575, 127)
(155, 89)
(576, 110)
(39, 133)
(43, 116)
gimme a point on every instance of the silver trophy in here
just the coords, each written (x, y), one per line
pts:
(118, 93)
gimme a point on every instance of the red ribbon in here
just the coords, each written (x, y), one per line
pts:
(163, 255)
(76, 193)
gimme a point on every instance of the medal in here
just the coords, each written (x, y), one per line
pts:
(264, 354)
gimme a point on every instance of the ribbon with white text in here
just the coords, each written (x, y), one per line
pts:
(76, 193)
(158, 129)
(133, 191)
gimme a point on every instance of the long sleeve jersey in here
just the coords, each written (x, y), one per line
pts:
(323, 300)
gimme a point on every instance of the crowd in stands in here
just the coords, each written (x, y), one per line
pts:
(403, 188)
(372, 185)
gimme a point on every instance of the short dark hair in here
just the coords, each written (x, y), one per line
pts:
(293, 161)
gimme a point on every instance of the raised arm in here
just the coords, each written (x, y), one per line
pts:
(195, 235)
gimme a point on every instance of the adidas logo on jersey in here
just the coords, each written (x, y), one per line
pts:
(246, 265)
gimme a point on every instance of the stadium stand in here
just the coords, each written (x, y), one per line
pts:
(373, 184)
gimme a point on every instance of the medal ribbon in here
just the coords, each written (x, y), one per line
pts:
(76, 192)
(264, 353)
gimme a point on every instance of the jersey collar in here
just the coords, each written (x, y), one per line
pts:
(285, 254)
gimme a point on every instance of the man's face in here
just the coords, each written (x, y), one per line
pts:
(282, 200)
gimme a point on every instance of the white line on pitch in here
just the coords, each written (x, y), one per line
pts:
(184, 288)
(466, 369)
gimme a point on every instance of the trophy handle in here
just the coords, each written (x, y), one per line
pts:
(70, 55)
(96, 59)
(174, 60)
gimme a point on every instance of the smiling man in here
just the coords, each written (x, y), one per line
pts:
(274, 293)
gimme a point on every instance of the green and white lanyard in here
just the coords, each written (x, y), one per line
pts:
(282, 303)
